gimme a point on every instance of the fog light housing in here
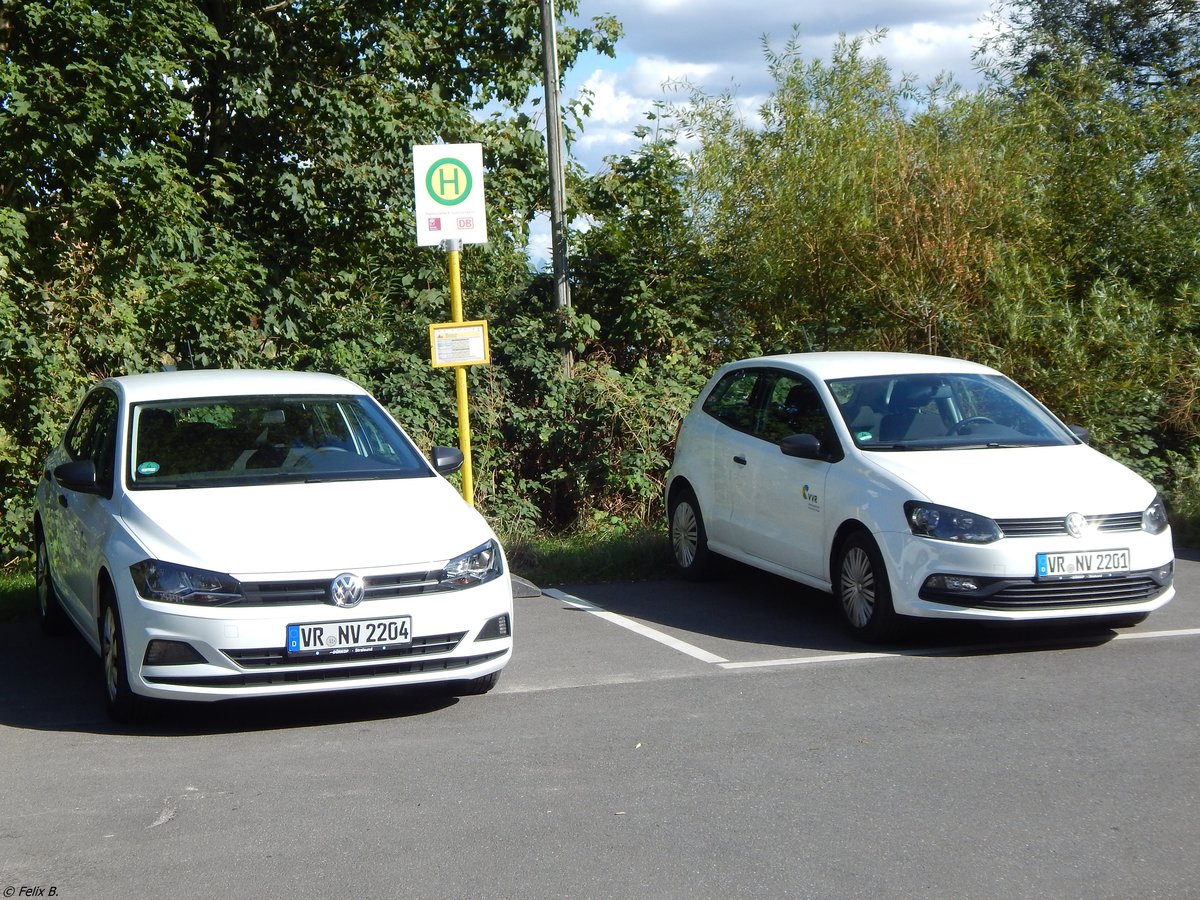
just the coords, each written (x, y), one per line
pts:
(171, 653)
(1164, 575)
(499, 627)
(957, 584)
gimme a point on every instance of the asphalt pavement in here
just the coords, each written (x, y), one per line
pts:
(654, 739)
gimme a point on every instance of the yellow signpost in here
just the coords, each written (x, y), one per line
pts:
(450, 211)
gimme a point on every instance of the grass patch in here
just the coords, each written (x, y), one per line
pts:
(591, 555)
(17, 600)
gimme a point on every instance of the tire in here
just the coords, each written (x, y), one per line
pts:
(476, 686)
(50, 611)
(122, 704)
(863, 591)
(689, 541)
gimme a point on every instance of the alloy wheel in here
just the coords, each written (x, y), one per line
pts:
(112, 654)
(685, 534)
(858, 587)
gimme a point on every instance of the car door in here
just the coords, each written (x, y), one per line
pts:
(76, 533)
(717, 440)
(781, 515)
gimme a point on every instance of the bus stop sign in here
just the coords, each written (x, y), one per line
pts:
(449, 192)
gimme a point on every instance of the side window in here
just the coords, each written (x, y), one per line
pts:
(795, 407)
(732, 400)
(93, 435)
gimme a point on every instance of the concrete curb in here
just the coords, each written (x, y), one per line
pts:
(523, 589)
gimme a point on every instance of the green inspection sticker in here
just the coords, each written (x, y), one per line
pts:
(148, 468)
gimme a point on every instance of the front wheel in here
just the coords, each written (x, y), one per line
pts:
(122, 703)
(862, 589)
(689, 542)
(50, 611)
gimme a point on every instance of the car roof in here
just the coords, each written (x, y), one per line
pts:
(193, 383)
(856, 364)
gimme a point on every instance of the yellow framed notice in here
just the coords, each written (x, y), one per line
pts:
(459, 344)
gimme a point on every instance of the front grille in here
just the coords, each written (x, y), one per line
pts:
(1055, 526)
(272, 657)
(1136, 587)
(330, 673)
(378, 587)
(1084, 592)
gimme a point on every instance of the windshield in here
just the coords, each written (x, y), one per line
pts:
(227, 441)
(944, 411)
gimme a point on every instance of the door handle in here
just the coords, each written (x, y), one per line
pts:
(740, 460)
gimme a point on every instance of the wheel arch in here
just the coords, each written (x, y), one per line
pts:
(104, 583)
(678, 485)
(847, 528)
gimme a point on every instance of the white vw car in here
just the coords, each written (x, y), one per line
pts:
(913, 486)
(220, 534)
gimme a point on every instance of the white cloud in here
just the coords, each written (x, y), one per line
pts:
(928, 49)
(610, 103)
(717, 46)
(648, 74)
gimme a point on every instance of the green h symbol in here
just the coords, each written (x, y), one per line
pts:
(448, 181)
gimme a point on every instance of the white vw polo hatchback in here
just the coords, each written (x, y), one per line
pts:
(220, 534)
(913, 486)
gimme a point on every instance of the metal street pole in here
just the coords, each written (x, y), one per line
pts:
(554, 154)
(453, 257)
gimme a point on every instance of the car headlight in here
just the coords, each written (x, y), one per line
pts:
(945, 523)
(169, 583)
(474, 567)
(1154, 516)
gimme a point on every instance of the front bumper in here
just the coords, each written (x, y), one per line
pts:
(1006, 588)
(456, 635)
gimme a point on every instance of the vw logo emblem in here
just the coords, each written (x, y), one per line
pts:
(346, 590)
(1076, 525)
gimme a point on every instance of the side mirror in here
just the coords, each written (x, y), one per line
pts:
(1080, 432)
(805, 446)
(447, 460)
(79, 476)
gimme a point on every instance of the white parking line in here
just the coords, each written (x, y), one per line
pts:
(637, 627)
(704, 656)
(804, 660)
(943, 651)
(1177, 632)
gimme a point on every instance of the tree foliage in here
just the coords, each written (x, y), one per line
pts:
(1135, 44)
(229, 183)
(845, 218)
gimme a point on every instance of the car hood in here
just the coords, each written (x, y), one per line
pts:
(1019, 482)
(292, 528)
